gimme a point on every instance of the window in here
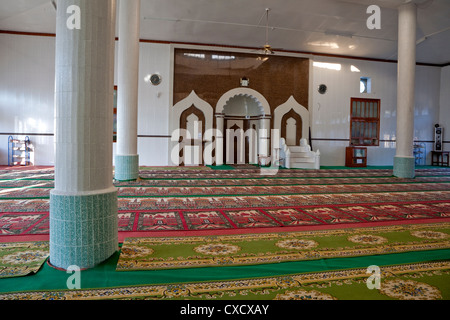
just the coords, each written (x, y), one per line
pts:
(364, 122)
(364, 85)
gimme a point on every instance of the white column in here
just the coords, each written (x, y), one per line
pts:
(264, 136)
(219, 139)
(127, 158)
(275, 146)
(83, 204)
(404, 159)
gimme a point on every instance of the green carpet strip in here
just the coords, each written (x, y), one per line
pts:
(104, 275)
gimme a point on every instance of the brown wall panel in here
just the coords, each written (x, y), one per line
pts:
(212, 73)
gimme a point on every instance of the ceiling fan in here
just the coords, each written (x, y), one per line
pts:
(267, 48)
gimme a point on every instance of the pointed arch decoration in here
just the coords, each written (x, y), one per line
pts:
(192, 104)
(198, 113)
(193, 138)
(292, 109)
(200, 104)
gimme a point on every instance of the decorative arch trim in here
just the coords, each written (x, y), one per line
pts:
(198, 113)
(200, 104)
(291, 105)
(191, 104)
(247, 92)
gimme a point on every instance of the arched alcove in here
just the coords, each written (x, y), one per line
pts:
(248, 111)
(255, 95)
(243, 106)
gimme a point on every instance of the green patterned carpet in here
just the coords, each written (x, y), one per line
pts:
(252, 249)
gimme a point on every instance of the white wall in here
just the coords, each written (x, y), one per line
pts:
(27, 74)
(330, 128)
(27, 77)
(153, 104)
(444, 111)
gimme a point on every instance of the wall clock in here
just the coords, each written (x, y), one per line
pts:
(155, 79)
(322, 89)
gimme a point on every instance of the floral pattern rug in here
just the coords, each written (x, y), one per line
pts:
(251, 249)
(20, 259)
(417, 281)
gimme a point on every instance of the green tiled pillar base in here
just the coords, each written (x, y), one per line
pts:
(83, 229)
(126, 167)
(404, 167)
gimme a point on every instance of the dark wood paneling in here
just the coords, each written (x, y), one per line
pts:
(276, 78)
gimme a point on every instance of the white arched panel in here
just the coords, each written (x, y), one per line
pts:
(284, 108)
(186, 103)
(176, 113)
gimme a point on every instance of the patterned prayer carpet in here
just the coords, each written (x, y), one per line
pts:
(21, 259)
(177, 199)
(417, 281)
(252, 249)
(293, 234)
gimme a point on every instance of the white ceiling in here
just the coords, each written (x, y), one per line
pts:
(336, 27)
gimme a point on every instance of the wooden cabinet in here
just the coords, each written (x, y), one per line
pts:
(356, 157)
(364, 122)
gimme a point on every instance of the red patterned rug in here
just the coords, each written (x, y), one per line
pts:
(300, 218)
(231, 201)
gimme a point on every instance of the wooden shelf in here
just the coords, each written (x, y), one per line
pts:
(356, 157)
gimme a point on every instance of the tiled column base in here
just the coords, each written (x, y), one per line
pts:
(126, 167)
(83, 229)
(404, 167)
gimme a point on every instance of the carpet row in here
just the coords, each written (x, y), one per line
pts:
(242, 233)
